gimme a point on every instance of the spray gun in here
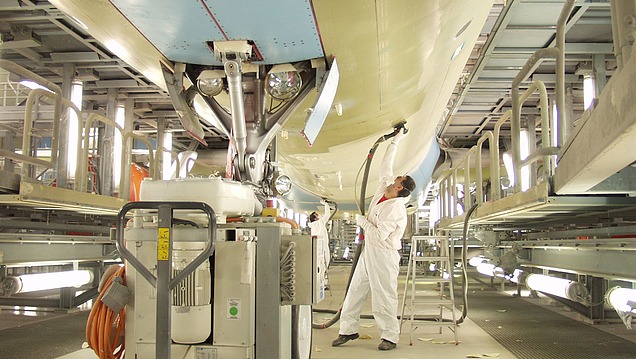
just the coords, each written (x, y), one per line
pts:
(330, 202)
(396, 129)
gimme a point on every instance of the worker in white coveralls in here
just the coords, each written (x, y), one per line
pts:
(378, 267)
(318, 226)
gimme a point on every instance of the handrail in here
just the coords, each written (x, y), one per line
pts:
(496, 177)
(17, 69)
(82, 180)
(447, 184)
(515, 124)
(28, 126)
(173, 156)
(124, 183)
(494, 162)
(81, 183)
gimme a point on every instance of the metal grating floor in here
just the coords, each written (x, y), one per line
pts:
(532, 332)
(44, 339)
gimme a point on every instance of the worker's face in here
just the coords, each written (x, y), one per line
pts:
(394, 188)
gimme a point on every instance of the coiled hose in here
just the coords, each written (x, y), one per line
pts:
(105, 328)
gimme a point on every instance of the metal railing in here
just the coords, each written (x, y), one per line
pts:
(27, 153)
(448, 197)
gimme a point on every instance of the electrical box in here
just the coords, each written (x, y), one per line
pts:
(309, 279)
(234, 293)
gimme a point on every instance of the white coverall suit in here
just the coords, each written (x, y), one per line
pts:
(379, 264)
(319, 230)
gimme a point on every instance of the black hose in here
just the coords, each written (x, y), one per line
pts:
(335, 210)
(464, 262)
(361, 206)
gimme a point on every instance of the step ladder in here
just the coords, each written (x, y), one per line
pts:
(429, 298)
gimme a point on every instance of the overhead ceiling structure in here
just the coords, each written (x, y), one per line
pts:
(42, 39)
(39, 37)
(515, 30)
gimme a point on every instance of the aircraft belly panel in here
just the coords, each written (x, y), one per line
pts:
(179, 32)
(182, 32)
(284, 31)
(396, 63)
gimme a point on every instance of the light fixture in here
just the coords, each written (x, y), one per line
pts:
(283, 82)
(33, 85)
(477, 260)
(588, 91)
(555, 125)
(167, 170)
(120, 119)
(486, 268)
(44, 281)
(186, 162)
(507, 160)
(77, 89)
(560, 287)
(282, 184)
(622, 299)
(524, 152)
(210, 82)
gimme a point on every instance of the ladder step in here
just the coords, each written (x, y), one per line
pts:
(433, 322)
(430, 259)
(425, 280)
(433, 301)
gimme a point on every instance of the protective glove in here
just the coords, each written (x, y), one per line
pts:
(323, 201)
(360, 220)
(400, 135)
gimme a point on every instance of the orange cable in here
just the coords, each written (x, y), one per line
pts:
(101, 322)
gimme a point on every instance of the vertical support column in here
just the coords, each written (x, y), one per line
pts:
(62, 159)
(567, 125)
(8, 144)
(107, 143)
(164, 272)
(600, 73)
(66, 298)
(34, 141)
(597, 287)
(161, 131)
(126, 153)
(623, 23)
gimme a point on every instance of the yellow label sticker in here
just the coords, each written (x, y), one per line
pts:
(163, 244)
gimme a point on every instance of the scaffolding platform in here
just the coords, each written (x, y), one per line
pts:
(41, 197)
(537, 208)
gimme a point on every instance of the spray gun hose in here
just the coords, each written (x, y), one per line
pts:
(361, 205)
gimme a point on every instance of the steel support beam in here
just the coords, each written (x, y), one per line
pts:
(604, 143)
